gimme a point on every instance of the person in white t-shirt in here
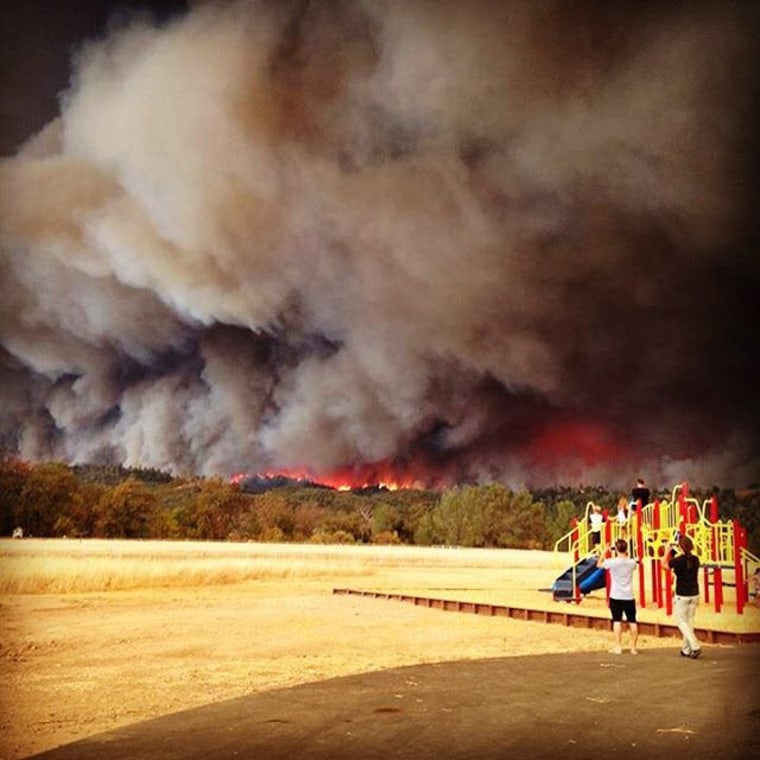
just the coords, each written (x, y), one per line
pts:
(622, 601)
(596, 518)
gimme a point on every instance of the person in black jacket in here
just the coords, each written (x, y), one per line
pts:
(686, 569)
(639, 493)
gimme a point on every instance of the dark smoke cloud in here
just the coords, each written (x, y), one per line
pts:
(473, 240)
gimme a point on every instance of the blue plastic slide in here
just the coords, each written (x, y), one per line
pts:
(593, 581)
(587, 578)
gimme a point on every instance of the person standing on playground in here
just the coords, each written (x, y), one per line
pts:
(622, 600)
(639, 493)
(622, 517)
(686, 569)
(596, 519)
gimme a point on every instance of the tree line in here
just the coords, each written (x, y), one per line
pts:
(53, 499)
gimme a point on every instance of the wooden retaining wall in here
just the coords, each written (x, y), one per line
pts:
(572, 619)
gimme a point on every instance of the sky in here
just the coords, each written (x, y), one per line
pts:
(421, 242)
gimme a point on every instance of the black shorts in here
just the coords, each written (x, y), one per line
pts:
(620, 607)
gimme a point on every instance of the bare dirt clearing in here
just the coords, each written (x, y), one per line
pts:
(78, 662)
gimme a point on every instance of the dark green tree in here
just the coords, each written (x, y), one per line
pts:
(558, 521)
(460, 518)
(523, 523)
(125, 510)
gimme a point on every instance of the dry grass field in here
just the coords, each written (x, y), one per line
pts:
(95, 635)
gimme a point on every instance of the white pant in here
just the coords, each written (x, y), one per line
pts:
(683, 611)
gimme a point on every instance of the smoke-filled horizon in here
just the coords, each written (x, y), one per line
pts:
(434, 241)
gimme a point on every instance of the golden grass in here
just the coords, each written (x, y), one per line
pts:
(499, 576)
(42, 566)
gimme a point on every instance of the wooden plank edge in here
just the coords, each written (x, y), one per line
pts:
(569, 619)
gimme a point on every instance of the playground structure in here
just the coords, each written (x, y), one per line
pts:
(650, 530)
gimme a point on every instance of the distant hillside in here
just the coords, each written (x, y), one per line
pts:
(111, 475)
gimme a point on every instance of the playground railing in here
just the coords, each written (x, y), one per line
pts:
(655, 542)
(577, 541)
(714, 542)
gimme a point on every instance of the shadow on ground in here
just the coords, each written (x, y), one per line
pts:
(573, 706)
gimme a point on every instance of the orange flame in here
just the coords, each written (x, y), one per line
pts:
(376, 475)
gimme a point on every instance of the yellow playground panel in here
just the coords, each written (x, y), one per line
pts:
(650, 530)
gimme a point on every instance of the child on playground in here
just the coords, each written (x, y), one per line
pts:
(622, 516)
(596, 518)
(622, 600)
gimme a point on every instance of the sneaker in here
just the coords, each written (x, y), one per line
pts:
(685, 654)
(634, 651)
(695, 653)
(616, 650)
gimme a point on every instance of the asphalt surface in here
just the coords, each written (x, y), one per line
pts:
(569, 706)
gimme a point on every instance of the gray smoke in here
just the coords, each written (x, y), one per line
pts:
(462, 240)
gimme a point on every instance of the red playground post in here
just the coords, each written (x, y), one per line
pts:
(640, 551)
(740, 543)
(656, 584)
(718, 576)
(576, 553)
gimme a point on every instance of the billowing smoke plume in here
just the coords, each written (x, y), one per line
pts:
(461, 240)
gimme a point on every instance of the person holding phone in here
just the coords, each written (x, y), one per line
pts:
(622, 601)
(685, 565)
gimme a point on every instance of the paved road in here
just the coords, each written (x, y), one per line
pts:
(573, 707)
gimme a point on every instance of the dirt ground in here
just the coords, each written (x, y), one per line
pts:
(74, 665)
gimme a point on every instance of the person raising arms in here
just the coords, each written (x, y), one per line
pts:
(622, 600)
(686, 569)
